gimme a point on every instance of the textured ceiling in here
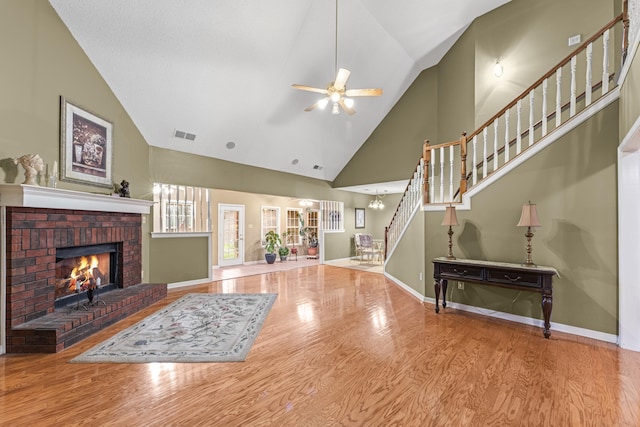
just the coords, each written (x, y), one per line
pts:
(223, 70)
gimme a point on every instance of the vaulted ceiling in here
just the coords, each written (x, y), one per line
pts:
(222, 69)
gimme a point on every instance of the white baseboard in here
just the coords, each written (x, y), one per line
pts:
(217, 267)
(559, 327)
(407, 288)
(188, 283)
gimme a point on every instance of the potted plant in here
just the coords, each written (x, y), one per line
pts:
(283, 251)
(309, 238)
(287, 237)
(312, 239)
(272, 242)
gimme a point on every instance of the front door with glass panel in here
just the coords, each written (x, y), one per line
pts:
(230, 235)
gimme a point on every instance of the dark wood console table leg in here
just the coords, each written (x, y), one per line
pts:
(547, 305)
(437, 285)
(445, 282)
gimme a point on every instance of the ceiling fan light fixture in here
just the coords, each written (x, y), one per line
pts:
(322, 104)
(336, 92)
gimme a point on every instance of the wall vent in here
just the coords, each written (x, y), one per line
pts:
(184, 135)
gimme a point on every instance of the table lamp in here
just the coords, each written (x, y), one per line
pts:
(529, 218)
(450, 219)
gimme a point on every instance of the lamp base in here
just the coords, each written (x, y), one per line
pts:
(528, 264)
(451, 257)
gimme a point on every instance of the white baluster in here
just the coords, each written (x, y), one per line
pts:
(475, 160)
(531, 117)
(587, 86)
(451, 173)
(506, 136)
(441, 174)
(484, 153)
(605, 62)
(432, 181)
(545, 84)
(519, 127)
(559, 97)
(495, 145)
(572, 102)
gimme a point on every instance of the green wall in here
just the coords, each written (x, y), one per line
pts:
(178, 259)
(256, 187)
(573, 183)
(395, 146)
(629, 99)
(528, 38)
(407, 261)
(41, 63)
(460, 93)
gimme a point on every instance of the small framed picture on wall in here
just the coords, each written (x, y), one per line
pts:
(359, 217)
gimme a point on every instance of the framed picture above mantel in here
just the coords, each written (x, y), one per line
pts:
(86, 146)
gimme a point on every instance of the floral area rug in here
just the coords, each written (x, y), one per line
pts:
(195, 328)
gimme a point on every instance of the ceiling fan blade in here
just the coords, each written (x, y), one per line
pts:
(322, 104)
(341, 78)
(363, 92)
(309, 88)
(350, 111)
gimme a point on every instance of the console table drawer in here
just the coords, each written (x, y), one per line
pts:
(514, 278)
(461, 272)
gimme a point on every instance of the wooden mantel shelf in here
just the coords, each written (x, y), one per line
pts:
(33, 196)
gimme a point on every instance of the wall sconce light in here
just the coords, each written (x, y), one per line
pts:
(450, 219)
(497, 69)
(529, 218)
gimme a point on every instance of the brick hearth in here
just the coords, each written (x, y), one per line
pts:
(57, 331)
(33, 234)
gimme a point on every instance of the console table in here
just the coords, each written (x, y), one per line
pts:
(514, 276)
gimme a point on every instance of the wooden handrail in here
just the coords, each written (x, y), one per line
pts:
(443, 145)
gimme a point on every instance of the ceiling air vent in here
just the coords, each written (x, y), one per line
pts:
(317, 167)
(184, 135)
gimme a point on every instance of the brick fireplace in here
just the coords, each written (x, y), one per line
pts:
(34, 234)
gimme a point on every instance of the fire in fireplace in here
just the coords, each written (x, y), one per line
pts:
(85, 268)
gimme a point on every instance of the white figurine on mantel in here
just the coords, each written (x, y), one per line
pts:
(32, 164)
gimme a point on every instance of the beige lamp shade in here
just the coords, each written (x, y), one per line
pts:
(529, 216)
(450, 217)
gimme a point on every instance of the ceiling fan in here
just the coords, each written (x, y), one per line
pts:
(337, 92)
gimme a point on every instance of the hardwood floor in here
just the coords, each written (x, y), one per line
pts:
(339, 347)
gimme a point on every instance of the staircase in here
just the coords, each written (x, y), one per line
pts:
(548, 109)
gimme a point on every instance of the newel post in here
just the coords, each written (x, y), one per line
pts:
(386, 234)
(426, 157)
(463, 164)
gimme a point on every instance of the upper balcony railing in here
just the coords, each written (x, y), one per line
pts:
(546, 105)
(442, 175)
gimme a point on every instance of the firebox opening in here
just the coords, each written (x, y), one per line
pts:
(81, 268)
